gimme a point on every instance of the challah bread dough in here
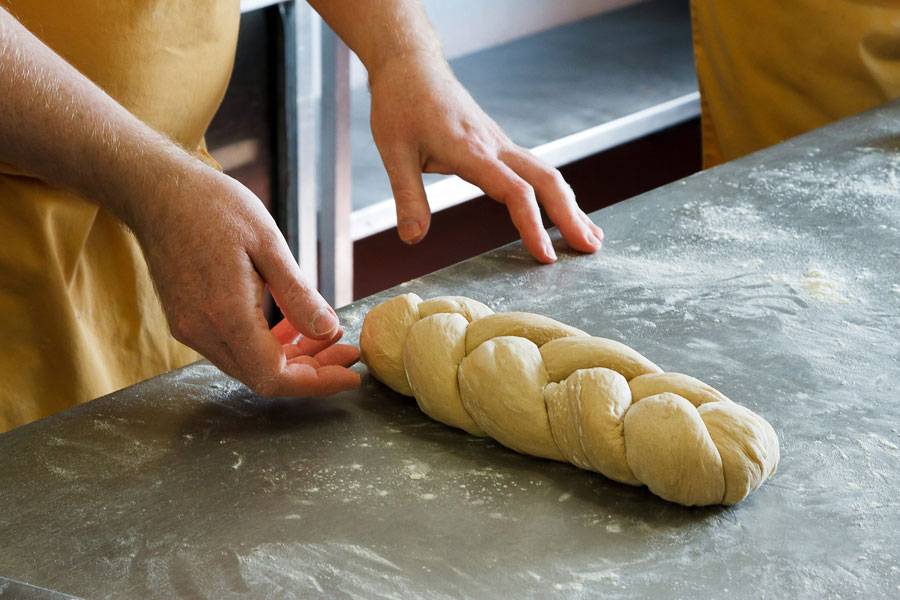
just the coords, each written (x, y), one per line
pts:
(564, 356)
(434, 371)
(383, 337)
(670, 450)
(536, 328)
(590, 405)
(390, 322)
(543, 388)
(502, 386)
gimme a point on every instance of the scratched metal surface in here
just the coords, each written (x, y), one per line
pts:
(773, 278)
(16, 590)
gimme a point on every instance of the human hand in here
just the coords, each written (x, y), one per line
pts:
(424, 121)
(212, 247)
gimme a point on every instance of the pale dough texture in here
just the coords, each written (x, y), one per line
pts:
(544, 388)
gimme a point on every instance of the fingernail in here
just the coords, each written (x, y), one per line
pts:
(409, 230)
(323, 321)
(548, 248)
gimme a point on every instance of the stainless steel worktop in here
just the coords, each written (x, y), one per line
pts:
(774, 278)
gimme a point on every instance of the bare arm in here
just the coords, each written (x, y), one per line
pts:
(59, 126)
(210, 244)
(424, 121)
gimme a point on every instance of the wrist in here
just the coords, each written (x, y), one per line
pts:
(405, 58)
(402, 68)
(136, 182)
(383, 32)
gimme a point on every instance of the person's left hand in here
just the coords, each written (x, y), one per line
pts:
(424, 121)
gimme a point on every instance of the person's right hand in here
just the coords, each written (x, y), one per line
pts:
(424, 121)
(212, 247)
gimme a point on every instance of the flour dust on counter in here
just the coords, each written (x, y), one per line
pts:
(67, 458)
(855, 182)
(305, 570)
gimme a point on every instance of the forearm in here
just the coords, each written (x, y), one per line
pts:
(59, 126)
(382, 31)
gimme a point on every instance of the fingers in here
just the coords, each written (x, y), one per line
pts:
(318, 355)
(594, 227)
(280, 362)
(341, 355)
(323, 381)
(256, 355)
(304, 360)
(292, 351)
(303, 307)
(312, 347)
(413, 214)
(274, 370)
(287, 335)
(299, 379)
(338, 354)
(499, 182)
(557, 198)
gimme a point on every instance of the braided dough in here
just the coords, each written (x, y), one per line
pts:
(543, 388)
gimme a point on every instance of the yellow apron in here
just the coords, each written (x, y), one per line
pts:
(79, 316)
(771, 69)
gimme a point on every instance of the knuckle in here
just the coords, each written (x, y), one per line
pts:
(520, 192)
(550, 177)
(394, 152)
(295, 289)
(475, 147)
(406, 198)
(268, 242)
(473, 144)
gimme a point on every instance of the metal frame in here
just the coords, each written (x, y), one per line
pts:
(336, 173)
(296, 134)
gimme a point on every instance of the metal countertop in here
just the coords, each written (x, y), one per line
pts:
(774, 278)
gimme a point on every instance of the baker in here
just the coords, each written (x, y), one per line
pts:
(115, 225)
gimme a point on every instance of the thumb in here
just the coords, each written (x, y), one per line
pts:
(413, 214)
(303, 307)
